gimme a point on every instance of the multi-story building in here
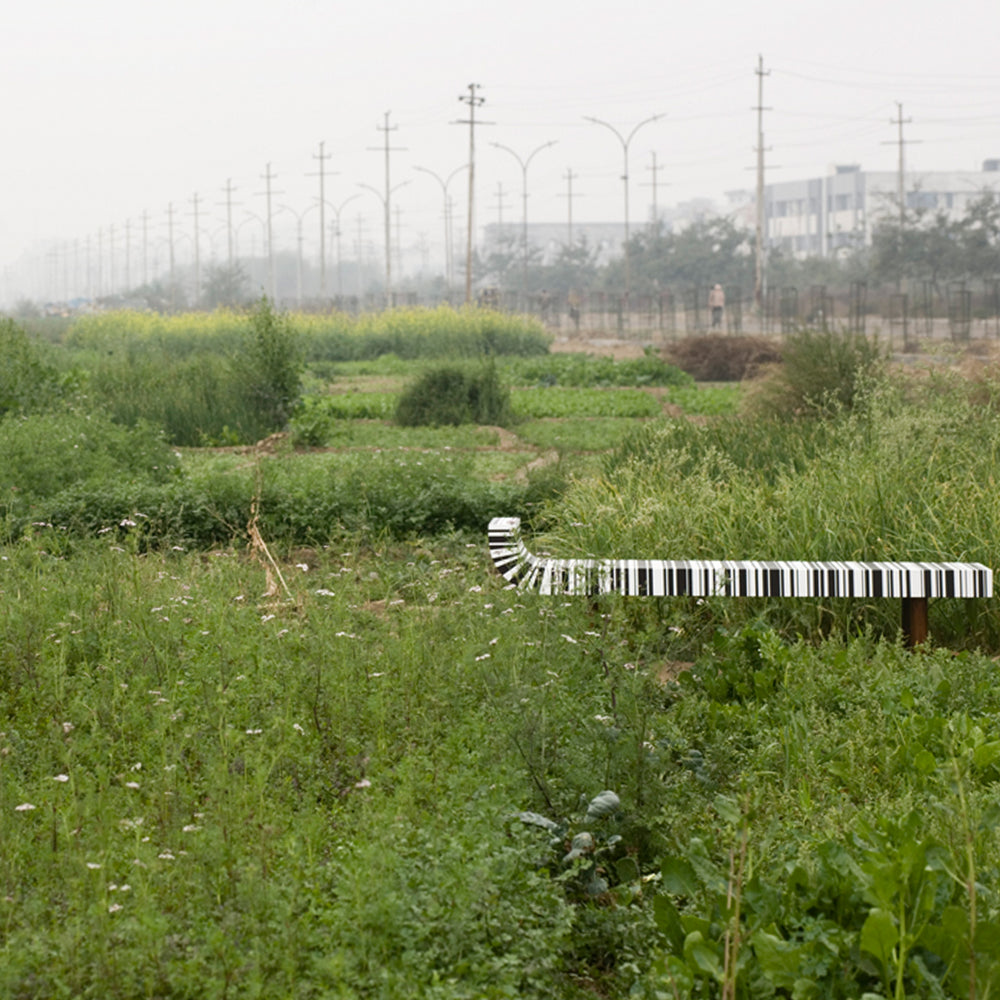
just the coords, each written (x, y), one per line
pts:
(824, 215)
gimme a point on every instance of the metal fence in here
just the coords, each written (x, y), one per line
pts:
(958, 311)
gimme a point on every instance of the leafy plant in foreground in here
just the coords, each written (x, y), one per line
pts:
(588, 851)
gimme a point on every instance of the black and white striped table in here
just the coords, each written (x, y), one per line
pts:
(911, 582)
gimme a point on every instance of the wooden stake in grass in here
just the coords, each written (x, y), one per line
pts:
(260, 550)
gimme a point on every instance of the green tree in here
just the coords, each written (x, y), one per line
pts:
(27, 383)
(932, 246)
(712, 249)
(224, 286)
(269, 369)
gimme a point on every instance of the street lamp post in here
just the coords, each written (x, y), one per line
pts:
(299, 217)
(448, 248)
(625, 140)
(337, 209)
(524, 163)
(250, 217)
(384, 198)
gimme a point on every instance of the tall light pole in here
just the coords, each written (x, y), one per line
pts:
(337, 209)
(250, 217)
(448, 247)
(388, 234)
(299, 217)
(625, 140)
(524, 164)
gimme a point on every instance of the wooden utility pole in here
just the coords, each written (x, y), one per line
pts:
(570, 177)
(758, 286)
(228, 191)
(900, 121)
(269, 192)
(386, 149)
(654, 168)
(195, 199)
(474, 101)
(322, 157)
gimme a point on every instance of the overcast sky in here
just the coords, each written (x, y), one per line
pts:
(113, 108)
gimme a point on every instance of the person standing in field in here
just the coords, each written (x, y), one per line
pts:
(716, 303)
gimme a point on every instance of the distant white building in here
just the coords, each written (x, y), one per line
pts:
(819, 217)
(603, 237)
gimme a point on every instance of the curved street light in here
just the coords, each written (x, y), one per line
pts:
(524, 163)
(625, 140)
(384, 198)
(449, 254)
(337, 209)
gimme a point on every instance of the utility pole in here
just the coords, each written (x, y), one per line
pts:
(900, 121)
(758, 287)
(111, 258)
(267, 177)
(359, 252)
(170, 242)
(386, 148)
(228, 192)
(322, 157)
(145, 247)
(474, 101)
(128, 254)
(570, 177)
(625, 140)
(655, 169)
(195, 199)
(500, 208)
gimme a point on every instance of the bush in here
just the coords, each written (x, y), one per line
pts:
(824, 372)
(270, 370)
(452, 396)
(26, 383)
(43, 454)
(715, 358)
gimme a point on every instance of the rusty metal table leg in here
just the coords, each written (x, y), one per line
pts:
(914, 621)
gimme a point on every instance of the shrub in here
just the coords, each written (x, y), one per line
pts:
(26, 382)
(270, 370)
(43, 454)
(453, 395)
(823, 372)
(715, 358)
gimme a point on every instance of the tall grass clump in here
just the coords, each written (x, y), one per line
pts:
(43, 454)
(821, 372)
(453, 395)
(28, 382)
(891, 481)
(268, 370)
(241, 384)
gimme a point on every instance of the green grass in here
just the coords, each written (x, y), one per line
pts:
(314, 792)
(555, 402)
(571, 435)
(352, 762)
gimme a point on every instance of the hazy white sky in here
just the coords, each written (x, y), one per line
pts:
(113, 108)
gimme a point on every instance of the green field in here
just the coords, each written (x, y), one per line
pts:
(270, 726)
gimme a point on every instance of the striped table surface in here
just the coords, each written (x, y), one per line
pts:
(729, 578)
